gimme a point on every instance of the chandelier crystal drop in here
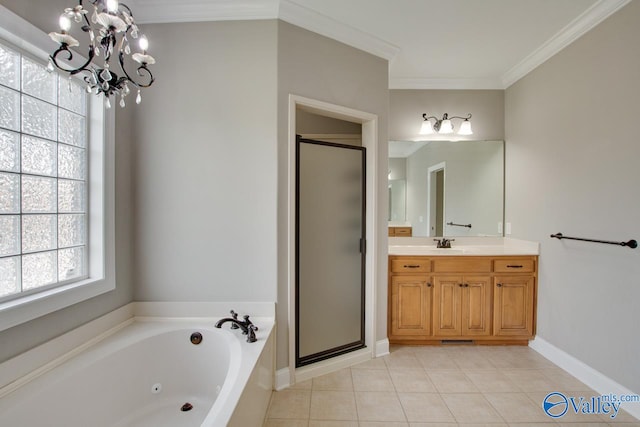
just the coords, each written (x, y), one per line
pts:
(111, 65)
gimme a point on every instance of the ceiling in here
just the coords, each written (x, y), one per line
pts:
(430, 44)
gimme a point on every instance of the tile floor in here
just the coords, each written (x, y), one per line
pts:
(436, 386)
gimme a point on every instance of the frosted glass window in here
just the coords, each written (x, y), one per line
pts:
(43, 170)
(71, 196)
(9, 193)
(39, 118)
(71, 263)
(71, 128)
(9, 151)
(39, 156)
(9, 109)
(72, 96)
(38, 82)
(71, 230)
(9, 68)
(39, 194)
(39, 269)
(39, 232)
(9, 276)
(71, 162)
(10, 236)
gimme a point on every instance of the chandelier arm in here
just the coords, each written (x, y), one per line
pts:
(141, 71)
(65, 48)
(424, 116)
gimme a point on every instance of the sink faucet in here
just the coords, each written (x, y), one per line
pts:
(444, 243)
(246, 326)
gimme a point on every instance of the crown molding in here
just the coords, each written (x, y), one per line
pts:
(165, 11)
(329, 27)
(416, 83)
(597, 13)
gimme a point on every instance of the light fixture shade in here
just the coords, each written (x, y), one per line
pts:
(427, 128)
(446, 127)
(465, 128)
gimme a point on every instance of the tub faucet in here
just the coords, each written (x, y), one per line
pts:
(246, 326)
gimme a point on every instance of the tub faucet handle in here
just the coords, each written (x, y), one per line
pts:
(248, 323)
(234, 315)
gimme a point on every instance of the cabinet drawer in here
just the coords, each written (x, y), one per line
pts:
(403, 232)
(410, 265)
(526, 265)
(462, 265)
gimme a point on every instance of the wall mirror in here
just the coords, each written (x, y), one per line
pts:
(447, 188)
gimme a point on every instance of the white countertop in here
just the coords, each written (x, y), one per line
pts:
(463, 246)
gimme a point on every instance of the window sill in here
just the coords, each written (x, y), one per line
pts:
(21, 310)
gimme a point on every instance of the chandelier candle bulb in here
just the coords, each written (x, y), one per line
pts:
(65, 23)
(112, 6)
(144, 44)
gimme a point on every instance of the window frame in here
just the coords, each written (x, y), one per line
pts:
(100, 201)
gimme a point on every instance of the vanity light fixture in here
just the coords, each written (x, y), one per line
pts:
(444, 125)
(110, 29)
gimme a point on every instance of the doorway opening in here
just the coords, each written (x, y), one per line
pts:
(369, 125)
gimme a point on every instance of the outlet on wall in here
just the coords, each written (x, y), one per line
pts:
(508, 228)
(500, 227)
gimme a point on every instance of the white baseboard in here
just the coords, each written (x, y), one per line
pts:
(283, 379)
(382, 348)
(585, 373)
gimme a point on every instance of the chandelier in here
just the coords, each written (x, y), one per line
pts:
(110, 29)
(444, 125)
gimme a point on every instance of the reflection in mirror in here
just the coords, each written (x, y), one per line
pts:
(452, 188)
(397, 200)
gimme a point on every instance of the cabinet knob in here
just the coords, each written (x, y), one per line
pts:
(411, 266)
(499, 285)
(428, 285)
(514, 266)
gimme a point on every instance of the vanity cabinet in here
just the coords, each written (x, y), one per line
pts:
(449, 298)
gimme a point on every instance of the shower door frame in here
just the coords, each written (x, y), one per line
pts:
(369, 122)
(355, 345)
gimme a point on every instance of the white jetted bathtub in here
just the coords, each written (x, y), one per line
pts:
(149, 373)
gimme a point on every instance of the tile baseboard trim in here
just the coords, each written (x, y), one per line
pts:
(583, 372)
(382, 347)
(282, 379)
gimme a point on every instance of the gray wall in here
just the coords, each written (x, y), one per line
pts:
(23, 337)
(313, 123)
(406, 107)
(316, 67)
(572, 167)
(205, 165)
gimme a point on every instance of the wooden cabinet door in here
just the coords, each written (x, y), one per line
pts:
(447, 314)
(476, 305)
(410, 305)
(513, 305)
